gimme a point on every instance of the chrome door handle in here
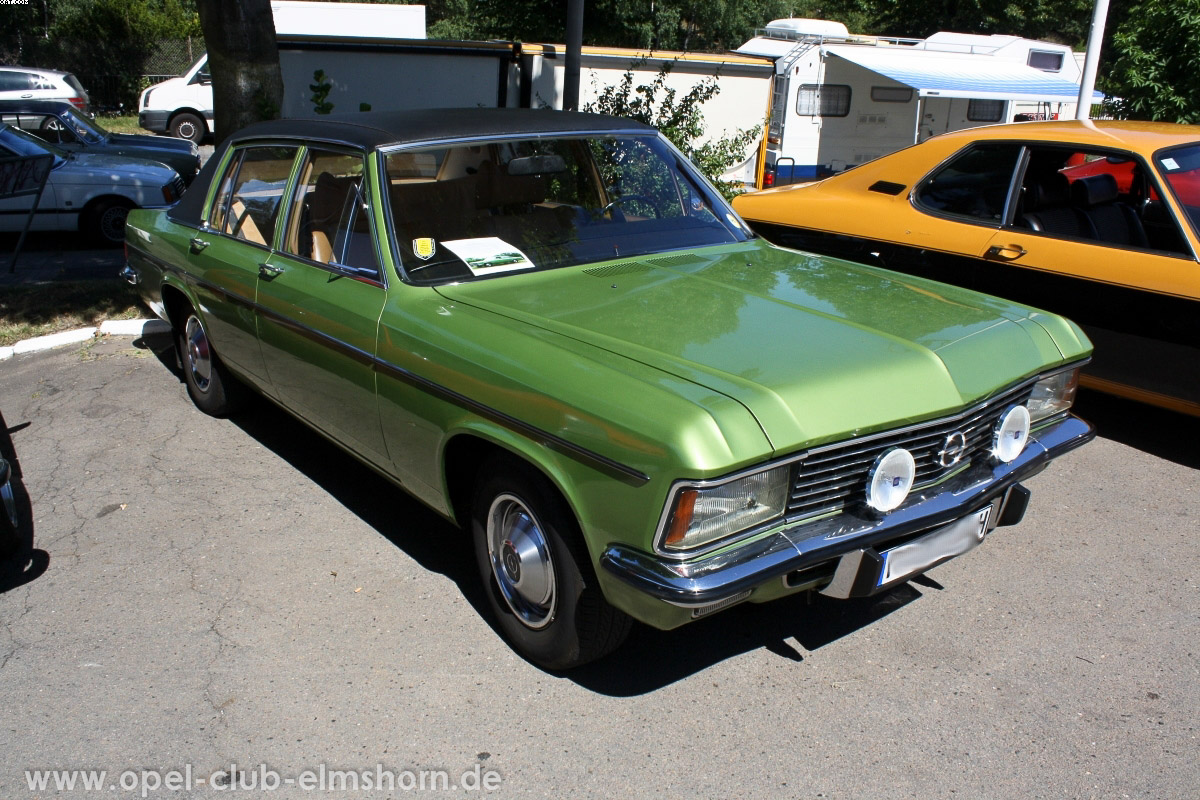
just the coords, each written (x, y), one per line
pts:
(198, 244)
(269, 271)
(1009, 252)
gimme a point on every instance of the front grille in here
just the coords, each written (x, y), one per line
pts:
(178, 186)
(833, 478)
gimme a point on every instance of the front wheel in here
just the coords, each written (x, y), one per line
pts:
(9, 518)
(539, 579)
(188, 126)
(105, 221)
(211, 387)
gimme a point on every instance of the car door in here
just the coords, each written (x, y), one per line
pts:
(1104, 250)
(319, 300)
(227, 252)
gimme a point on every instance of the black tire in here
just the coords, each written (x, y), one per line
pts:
(537, 575)
(10, 518)
(104, 221)
(188, 126)
(212, 388)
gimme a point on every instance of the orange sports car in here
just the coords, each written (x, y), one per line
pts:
(1095, 220)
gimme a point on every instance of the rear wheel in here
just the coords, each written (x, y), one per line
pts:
(188, 126)
(212, 388)
(535, 567)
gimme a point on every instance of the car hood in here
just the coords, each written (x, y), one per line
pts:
(815, 348)
(109, 169)
(139, 141)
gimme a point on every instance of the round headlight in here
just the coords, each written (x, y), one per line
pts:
(890, 479)
(1011, 434)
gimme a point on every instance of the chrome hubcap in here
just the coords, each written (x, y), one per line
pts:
(112, 223)
(521, 562)
(197, 354)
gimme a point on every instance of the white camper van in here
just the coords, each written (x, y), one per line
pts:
(841, 99)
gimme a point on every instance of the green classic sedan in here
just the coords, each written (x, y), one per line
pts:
(553, 331)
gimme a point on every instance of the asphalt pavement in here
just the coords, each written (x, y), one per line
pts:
(201, 593)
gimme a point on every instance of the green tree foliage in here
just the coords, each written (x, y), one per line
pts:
(1065, 21)
(716, 25)
(1154, 54)
(680, 119)
(104, 42)
(712, 26)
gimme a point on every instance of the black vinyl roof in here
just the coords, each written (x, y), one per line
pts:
(371, 129)
(378, 128)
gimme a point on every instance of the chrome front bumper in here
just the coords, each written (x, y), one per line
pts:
(805, 548)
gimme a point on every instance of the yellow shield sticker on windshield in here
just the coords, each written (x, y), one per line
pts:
(424, 248)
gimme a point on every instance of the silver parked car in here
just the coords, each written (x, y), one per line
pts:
(31, 83)
(88, 192)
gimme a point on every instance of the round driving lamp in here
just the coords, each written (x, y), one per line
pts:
(1011, 434)
(890, 479)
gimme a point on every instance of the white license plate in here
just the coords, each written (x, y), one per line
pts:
(946, 542)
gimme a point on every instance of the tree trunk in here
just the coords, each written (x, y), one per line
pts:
(243, 58)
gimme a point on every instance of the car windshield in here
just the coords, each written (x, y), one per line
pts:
(22, 144)
(469, 211)
(83, 127)
(1180, 166)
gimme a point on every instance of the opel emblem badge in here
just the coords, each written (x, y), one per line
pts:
(954, 447)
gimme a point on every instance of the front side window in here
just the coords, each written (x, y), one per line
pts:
(247, 202)
(473, 211)
(823, 100)
(1100, 196)
(974, 184)
(15, 81)
(330, 221)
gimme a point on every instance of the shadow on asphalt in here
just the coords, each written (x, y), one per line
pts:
(1161, 433)
(20, 562)
(650, 659)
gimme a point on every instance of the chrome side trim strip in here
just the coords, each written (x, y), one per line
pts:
(608, 466)
(597, 461)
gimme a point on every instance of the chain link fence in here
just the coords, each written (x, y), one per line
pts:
(109, 91)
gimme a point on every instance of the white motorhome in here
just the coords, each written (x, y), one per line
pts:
(183, 106)
(840, 99)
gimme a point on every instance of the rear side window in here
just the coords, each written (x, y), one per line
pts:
(247, 202)
(973, 184)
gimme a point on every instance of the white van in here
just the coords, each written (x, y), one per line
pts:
(183, 106)
(180, 106)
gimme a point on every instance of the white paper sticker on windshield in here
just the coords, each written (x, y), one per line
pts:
(1170, 163)
(488, 255)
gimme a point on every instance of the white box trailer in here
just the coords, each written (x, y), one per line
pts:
(840, 100)
(183, 106)
(742, 102)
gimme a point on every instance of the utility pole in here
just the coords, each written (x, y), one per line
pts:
(1083, 108)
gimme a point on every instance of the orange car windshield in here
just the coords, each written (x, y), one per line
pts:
(1180, 167)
